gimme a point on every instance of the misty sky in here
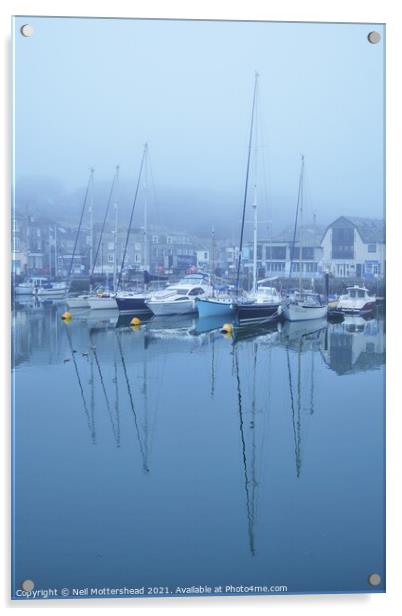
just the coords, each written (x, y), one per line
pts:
(90, 92)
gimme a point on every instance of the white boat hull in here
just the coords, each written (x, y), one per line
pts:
(296, 312)
(172, 308)
(23, 290)
(356, 307)
(58, 292)
(102, 303)
(77, 302)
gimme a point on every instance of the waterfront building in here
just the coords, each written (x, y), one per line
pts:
(354, 247)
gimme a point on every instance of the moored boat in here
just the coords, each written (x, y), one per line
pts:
(214, 306)
(51, 289)
(309, 307)
(356, 300)
(102, 301)
(131, 302)
(28, 286)
(179, 298)
(264, 305)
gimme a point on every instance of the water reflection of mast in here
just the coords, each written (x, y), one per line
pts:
(296, 415)
(130, 396)
(102, 382)
(90, 420)
(249, 505)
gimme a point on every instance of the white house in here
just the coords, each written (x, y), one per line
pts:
(354, 247)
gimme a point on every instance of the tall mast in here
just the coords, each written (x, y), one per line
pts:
(246, 183)
(213, 262)
(91, 223)
(131, 217)
(99, 246)
(79, 226)
(116, 231)
(301, 228)
(255, 222)
(145, 186)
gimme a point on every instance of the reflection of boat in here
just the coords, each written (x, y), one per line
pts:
(292, 331)
(356, 300)
(355, 345)
(179, 298)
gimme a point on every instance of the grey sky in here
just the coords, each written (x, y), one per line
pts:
(92, 91)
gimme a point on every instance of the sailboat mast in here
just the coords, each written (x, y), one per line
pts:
(116, 231)
(91, 223)
(131, 218)
(301, 228)
(79, 227)
(213, 262)
(246, 183)
(145, 244)
(255, 241)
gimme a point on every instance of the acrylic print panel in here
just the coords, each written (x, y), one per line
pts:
(198, 308)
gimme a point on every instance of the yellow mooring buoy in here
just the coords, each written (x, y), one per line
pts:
(135, 322)
(227, 328)
(67, 316)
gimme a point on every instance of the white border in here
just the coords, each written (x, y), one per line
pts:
(380, 11)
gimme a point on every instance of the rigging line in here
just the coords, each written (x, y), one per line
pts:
(299, 193)
(84, 402)
(244, 456)
(130, 395)
(131, 217)
(246, 184)
(114, 182)
(90, 180)
(95, 354)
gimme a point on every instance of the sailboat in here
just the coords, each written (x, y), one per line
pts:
(134, 301)
(264, 303)
(105, 299)
(306, 305)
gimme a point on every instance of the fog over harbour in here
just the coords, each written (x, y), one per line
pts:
(185, 87)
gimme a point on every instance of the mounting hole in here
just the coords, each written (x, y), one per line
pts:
(374, 37)
(27, 30)
(27, 585)
(374, 579)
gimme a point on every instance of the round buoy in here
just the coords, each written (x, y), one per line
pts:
(67, 316)
(135, 322)
(227, 328)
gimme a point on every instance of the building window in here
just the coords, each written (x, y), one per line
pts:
(372, 247)
(110, 258)
(343, 243)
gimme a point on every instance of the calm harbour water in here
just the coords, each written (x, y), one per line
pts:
(173, 456)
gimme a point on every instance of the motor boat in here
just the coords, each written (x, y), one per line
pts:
(180, 298)
(28, 286)
(356, 300)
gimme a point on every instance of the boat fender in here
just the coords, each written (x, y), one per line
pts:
(135, 322)
(67, 316)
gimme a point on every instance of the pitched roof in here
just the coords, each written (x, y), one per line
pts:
(370, 229)
(312, 235)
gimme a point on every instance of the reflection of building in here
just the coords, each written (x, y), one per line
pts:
(355, 345)
(354, 247)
